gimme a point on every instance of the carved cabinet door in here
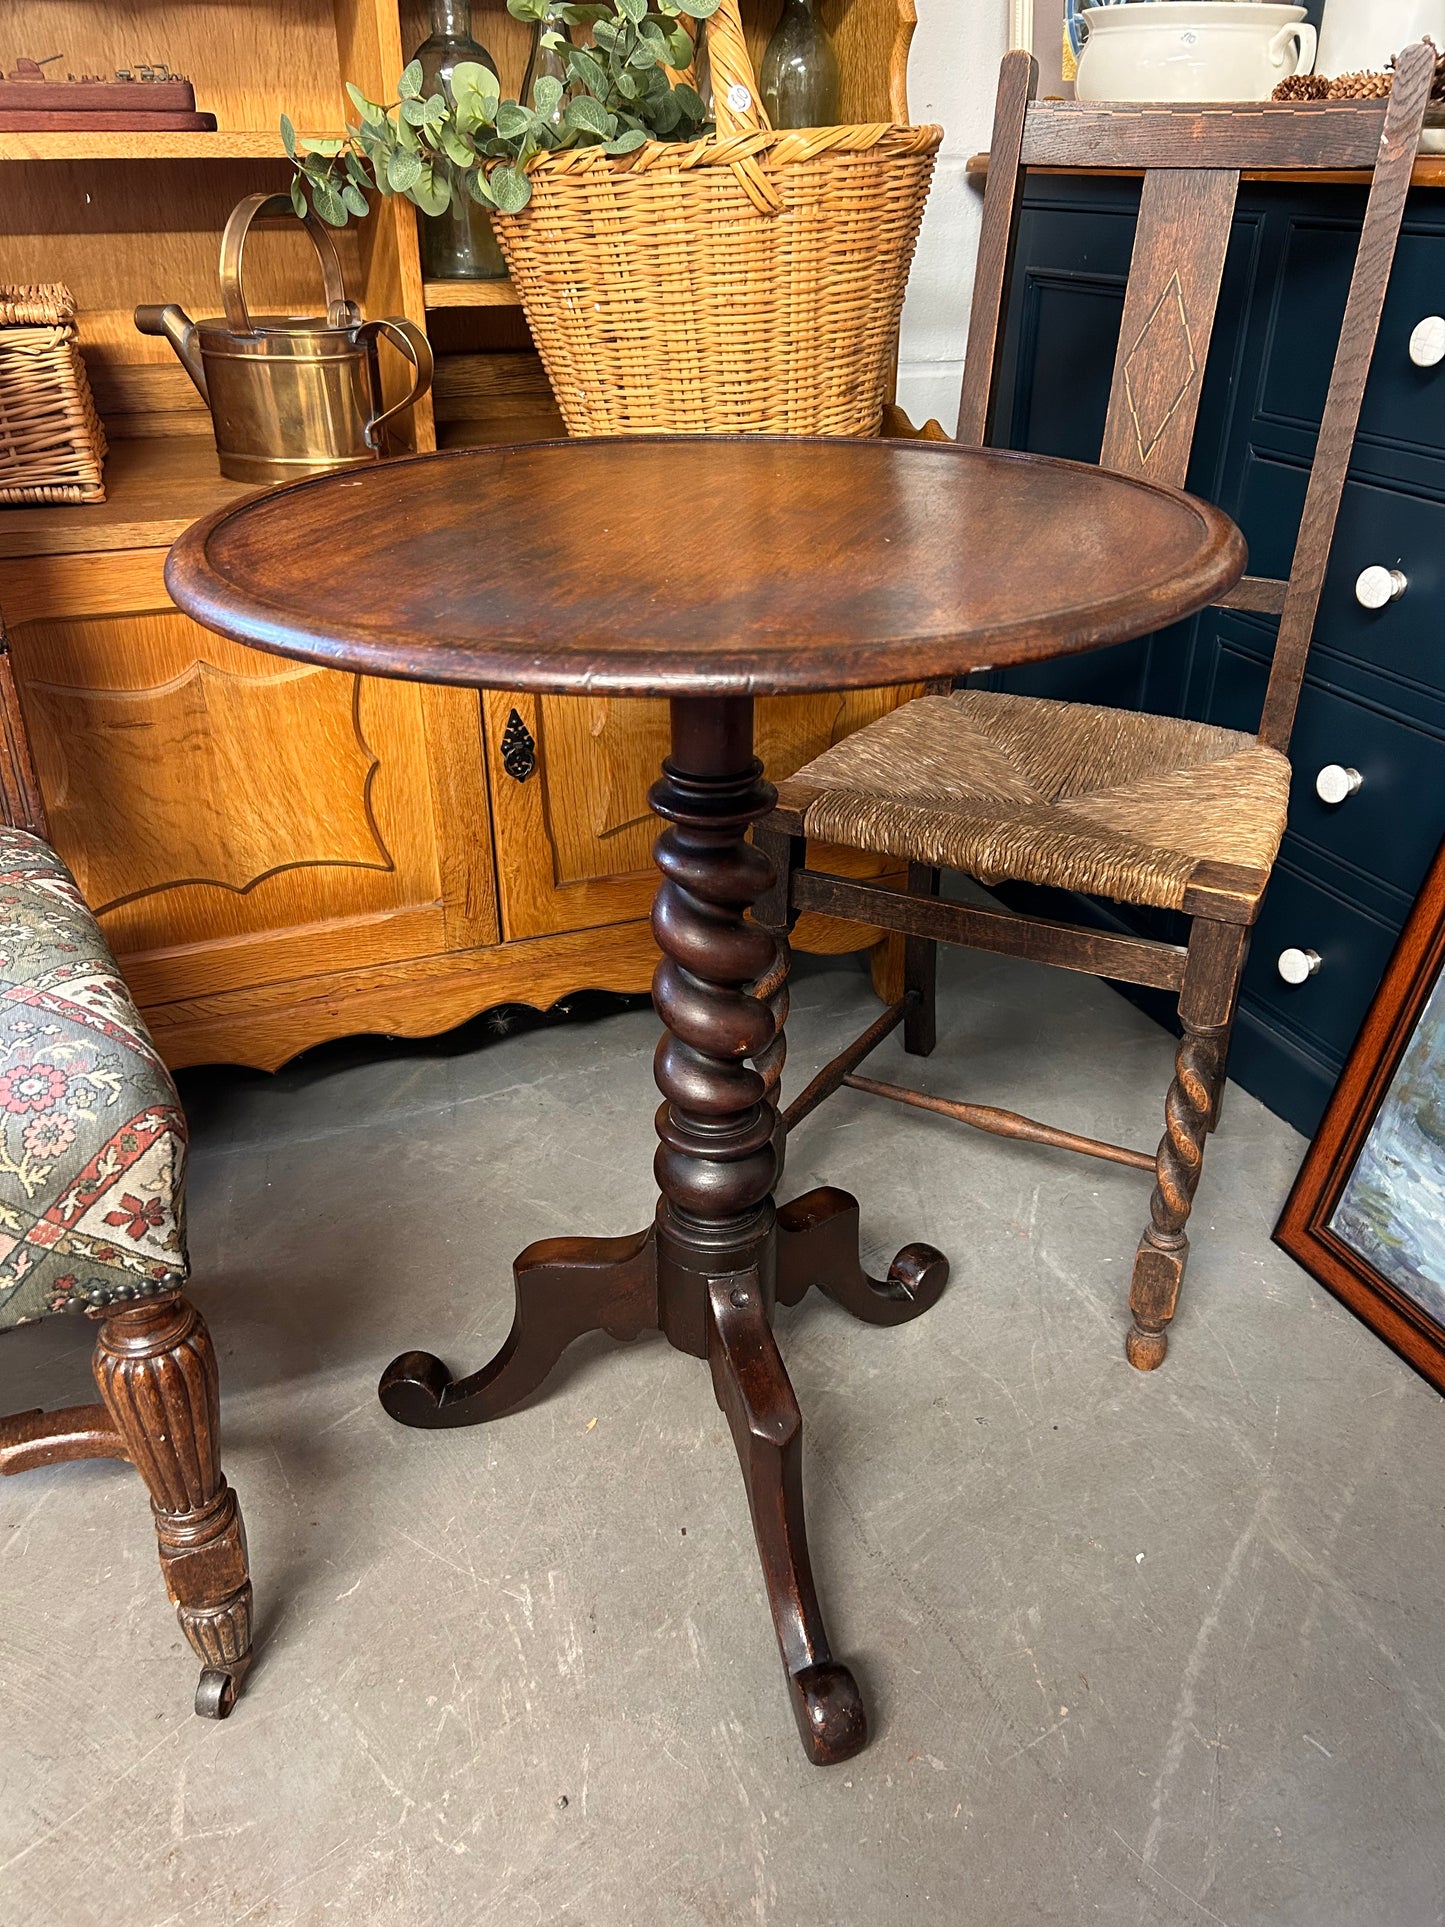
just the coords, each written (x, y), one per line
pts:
(569, 778)
(236, 819)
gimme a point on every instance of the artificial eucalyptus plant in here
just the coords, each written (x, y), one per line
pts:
(618, 95)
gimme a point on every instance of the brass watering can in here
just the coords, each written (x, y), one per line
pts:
(289, 395)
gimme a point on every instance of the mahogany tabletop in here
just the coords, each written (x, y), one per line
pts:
(702, 565)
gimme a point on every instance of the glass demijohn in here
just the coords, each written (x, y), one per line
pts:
(458, 245)
(799, 78)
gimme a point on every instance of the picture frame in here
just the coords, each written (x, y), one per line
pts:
(1366, 1215)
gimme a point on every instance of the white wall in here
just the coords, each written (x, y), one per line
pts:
(951, 79)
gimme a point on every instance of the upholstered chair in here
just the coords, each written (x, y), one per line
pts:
(92, 1222)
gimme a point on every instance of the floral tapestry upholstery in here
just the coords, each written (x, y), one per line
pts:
(92, 1137)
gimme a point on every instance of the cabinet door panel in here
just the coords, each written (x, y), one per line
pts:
(574, 834)
(227, 813)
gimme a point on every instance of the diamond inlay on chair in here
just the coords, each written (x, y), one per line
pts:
(1160, 368)
(1070, 795)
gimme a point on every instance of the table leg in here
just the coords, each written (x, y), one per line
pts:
(709, 1270)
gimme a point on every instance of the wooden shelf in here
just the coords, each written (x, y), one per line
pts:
(1429, 172)
(243, 143)
(154, 490)
(470, 294)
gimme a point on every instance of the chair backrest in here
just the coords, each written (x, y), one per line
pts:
(1191, 158)
(21, 804)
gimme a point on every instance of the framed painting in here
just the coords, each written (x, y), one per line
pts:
(1367, 1213)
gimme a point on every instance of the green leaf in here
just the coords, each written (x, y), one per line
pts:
(690, 101)
(586, 69)
(513, 120)
(605, 34)
(431, 192)
(633, 10)
(588, 116)
(413, 112)
(352, 195)
(527, 9)
(547, 95)
(329, 204)
(298, 197)
(627, 142)
(288, 136)
(511, 190)
(455, 148)
(698, 9)
(479, 187)
(356, 171)
(475, 92)
(409, 86)
(367, 109)
(403, 171)
(680, 48)
(627, 87)
(328, 150)
(666, 115)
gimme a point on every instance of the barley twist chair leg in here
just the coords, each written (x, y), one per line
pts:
(1207, 1001)
(1164, 1249)
(156, 1370)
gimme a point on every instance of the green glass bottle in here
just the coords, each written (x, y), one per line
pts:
(458, 245)
(799, 79)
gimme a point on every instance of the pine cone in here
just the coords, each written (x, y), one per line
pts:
(1302, 87)
(1360, 87)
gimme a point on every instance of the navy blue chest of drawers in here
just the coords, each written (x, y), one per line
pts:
(1374, 698)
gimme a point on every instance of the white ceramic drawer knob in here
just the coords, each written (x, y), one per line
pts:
(1298, 966)
(1376, 586)
(1427, 341)
(1334, 783)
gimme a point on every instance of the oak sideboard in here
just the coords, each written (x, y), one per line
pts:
(279, 854)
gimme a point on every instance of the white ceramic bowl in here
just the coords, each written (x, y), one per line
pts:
(1192, 50)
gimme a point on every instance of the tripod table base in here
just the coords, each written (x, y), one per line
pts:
(625, 1286)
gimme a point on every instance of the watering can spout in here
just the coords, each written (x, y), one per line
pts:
(180, 331)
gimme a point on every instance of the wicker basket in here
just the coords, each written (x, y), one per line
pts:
(51, 442)
(749, 281)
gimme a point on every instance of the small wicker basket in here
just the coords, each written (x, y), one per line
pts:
(51, 442)
(749, 281)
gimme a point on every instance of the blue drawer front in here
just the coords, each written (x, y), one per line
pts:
(1403, 404)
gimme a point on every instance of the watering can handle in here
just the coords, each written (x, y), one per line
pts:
(339, 311)
(406, 336)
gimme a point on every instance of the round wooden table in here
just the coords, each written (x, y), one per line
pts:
(708, 570)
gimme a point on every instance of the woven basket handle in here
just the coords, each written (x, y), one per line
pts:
(736, 105)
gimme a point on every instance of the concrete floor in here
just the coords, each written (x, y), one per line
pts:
(1159, 1650)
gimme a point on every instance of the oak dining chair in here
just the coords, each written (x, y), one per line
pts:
(1145, 810)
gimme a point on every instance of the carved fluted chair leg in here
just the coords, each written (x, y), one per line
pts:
(156, 1370)
(1206, 1009)
(752, 1388)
